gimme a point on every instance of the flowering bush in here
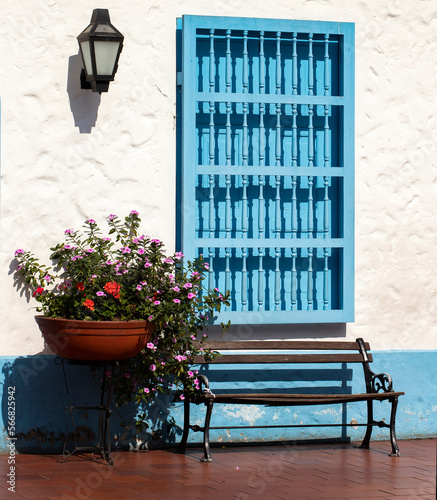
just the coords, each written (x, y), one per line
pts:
(127, 276)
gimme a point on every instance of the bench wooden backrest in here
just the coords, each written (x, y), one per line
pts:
(338, 351)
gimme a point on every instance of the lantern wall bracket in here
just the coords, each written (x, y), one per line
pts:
(99, 86)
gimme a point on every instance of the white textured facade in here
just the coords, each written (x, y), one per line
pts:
(68, 154)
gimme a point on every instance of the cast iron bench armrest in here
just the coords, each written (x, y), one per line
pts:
(204, 386)
(374, 381)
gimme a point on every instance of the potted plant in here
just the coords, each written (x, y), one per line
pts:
(101, 286)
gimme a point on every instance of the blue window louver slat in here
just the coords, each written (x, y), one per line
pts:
(267, 165)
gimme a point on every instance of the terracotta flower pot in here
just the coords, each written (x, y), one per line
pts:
(95, 340)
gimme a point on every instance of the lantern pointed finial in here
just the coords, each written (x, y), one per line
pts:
(100, 16)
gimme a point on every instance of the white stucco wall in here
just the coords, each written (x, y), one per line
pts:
(58, 170)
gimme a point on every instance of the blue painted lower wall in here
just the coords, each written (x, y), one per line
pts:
(34, 399)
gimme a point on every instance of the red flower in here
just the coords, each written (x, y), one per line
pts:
(38, 291)
(80, 286)
(113, 288)
(89, 304)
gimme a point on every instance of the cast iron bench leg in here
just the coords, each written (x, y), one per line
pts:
(366, 440)
(394, 443)
(206, 452)
(183, 443)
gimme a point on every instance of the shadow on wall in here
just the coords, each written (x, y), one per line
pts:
(36, 386)
(84, 104)
(279, 332)
(271, 378)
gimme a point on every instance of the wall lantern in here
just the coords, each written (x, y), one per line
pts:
(100, 46)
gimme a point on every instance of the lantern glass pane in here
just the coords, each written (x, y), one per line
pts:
(104, 28)
(86, 54)
(106, 55)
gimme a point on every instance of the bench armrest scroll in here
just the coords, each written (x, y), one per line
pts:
(204, 386)
(375, 382)
(381, 381)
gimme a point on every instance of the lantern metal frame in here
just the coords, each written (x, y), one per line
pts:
(99, 30)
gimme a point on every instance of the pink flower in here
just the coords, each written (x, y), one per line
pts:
(157, 302)
(176, 301)
(188, 285)
(182, 397)
(47, 278)
(111, 217)
(90, 221)
(146, 390)
(152, 368)
(147, 264)
(106, 239)
(68, 231)
(151, 345)
(191, 295)
(101, 294)
(125, 250)
(157, 242)
(168, 260)
(176, 289)
(134, 212)
(139, 287)
(126, 375)
(178, 255)
(19, 251)
(141, 251)
(190, 373)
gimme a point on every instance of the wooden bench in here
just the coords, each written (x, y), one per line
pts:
(379, 386)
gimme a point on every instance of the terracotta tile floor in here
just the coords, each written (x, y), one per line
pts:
(316, 471)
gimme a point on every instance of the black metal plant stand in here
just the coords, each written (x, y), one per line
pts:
(103, 445)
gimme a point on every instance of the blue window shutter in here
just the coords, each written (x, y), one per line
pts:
(267, 165)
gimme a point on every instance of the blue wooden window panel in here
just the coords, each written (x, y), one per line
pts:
(267, 165)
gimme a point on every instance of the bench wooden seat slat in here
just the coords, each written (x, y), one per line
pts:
(309, 345)
(300, 399)
(285, 358)
(378, 386)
